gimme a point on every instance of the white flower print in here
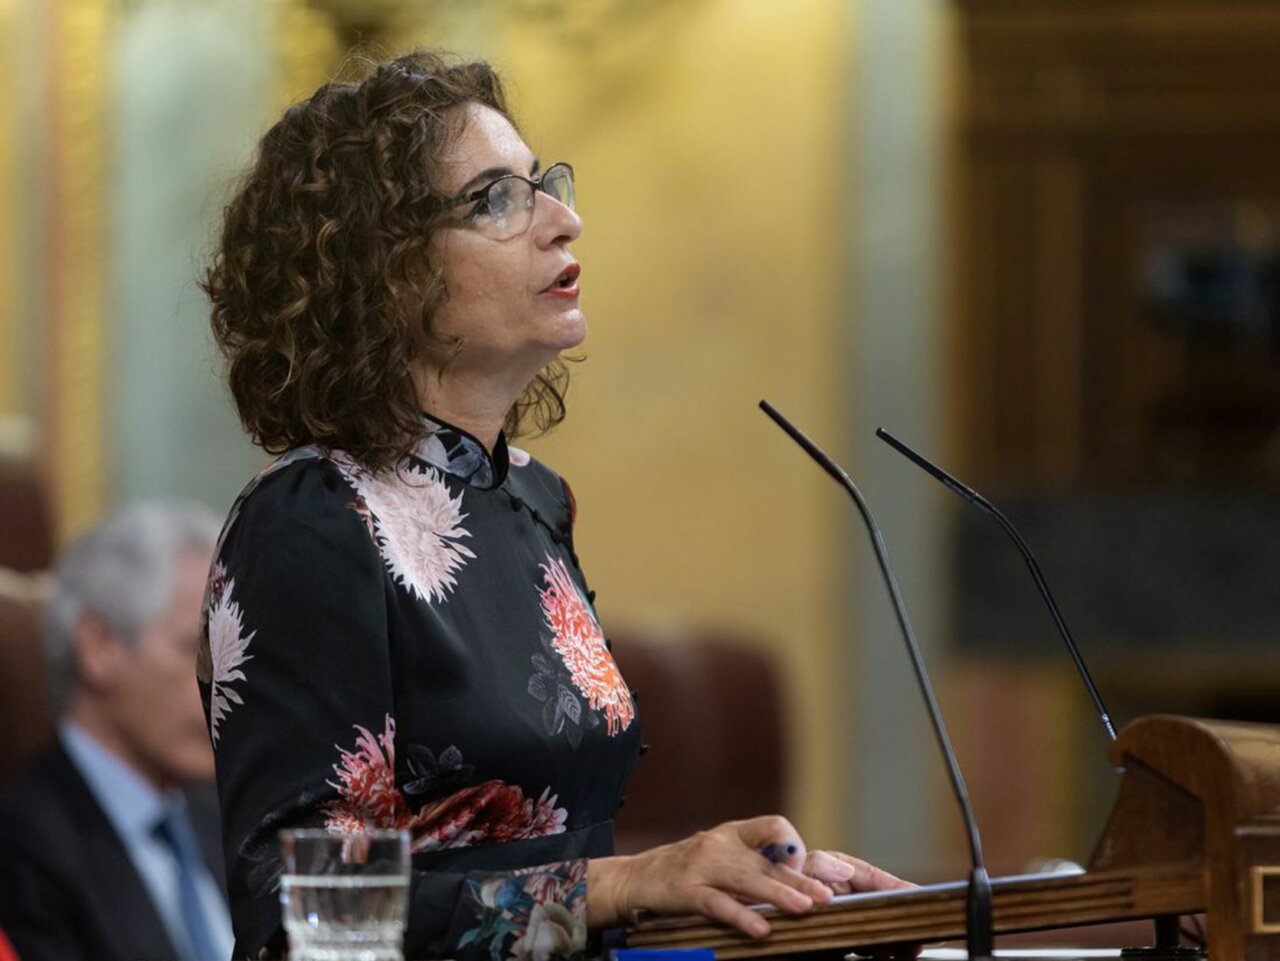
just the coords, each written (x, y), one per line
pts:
(227, 646)
(417, 526)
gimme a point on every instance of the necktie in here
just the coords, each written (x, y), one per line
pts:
(176, 831)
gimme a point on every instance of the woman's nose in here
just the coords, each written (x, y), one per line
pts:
(554, 222)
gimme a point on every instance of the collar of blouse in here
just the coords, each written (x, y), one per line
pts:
(454, 451)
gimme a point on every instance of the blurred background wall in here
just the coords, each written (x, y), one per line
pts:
(1035, 239)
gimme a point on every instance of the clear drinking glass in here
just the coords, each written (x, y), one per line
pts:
(344, 896)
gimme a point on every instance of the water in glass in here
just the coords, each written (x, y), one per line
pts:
(344, 918)
(343, 897)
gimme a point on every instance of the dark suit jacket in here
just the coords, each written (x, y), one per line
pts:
(68, 891)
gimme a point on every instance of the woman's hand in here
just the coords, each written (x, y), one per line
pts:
(844, 874)
(712, 873)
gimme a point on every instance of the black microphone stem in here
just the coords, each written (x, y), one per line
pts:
(984, 505)
(978, 922)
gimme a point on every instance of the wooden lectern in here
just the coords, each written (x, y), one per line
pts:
(1195, 828)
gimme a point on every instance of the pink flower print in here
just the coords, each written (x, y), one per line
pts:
(542, 817)
(491, 813)
(367, 792)
(488, 813)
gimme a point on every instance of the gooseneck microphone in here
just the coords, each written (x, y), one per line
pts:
(978, 925)
(984, 505)
(1167, 928)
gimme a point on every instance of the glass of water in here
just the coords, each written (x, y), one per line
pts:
(344, 896)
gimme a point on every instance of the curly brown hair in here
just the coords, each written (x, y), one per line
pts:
(324, 245)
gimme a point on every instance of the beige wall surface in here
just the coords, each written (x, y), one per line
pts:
(10, 405)
(710, 172)
(711, 141)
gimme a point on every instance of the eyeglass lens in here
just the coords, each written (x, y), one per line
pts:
(510, 201)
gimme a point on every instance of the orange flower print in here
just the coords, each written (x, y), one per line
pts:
(577, 638)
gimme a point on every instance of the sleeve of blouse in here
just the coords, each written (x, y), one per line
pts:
(299, 684)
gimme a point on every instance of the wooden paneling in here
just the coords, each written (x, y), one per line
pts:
(1084, 127)
(1193, 829)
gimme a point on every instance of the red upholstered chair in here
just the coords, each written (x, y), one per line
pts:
(26, 552)
(26, 524)
(26, 715)
(711, 712)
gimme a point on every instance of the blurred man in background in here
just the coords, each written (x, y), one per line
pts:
(99, 853)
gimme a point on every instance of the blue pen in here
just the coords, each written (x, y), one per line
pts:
(777, 853)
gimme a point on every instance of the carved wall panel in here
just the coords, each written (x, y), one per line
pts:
(1119, 309)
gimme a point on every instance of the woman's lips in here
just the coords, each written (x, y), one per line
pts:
(565, 285)
(565, 293)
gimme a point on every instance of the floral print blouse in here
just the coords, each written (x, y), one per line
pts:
(417, 649)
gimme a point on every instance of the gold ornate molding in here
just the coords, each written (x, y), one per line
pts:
(76, 260)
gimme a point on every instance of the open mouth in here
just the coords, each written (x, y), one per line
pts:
(567, 279)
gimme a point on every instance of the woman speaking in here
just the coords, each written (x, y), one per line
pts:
(398, 631)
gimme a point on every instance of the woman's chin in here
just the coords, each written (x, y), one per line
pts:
(568, 331)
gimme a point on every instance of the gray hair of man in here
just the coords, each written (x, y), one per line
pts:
(122, 571)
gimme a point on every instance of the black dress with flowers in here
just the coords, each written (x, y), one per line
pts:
(417, 649)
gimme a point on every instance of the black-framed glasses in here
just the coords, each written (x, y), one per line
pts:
(504, 207)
